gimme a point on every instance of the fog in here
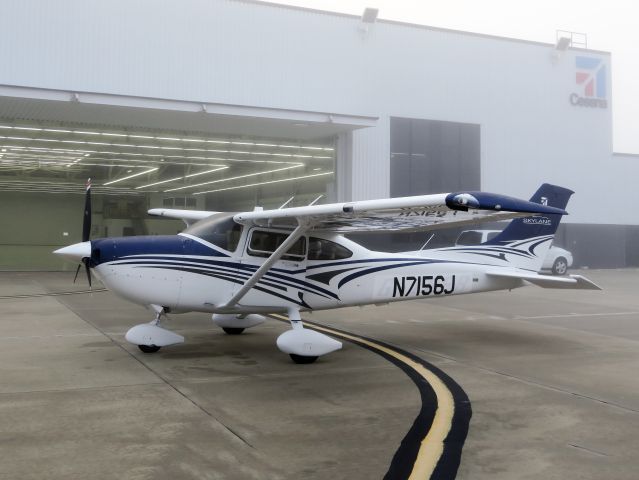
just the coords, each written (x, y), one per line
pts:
(610, 26)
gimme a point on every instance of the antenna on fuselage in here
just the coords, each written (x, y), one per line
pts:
(427, 242)
(315, 201)
(286, 202)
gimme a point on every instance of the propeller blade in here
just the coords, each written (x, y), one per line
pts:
(86, 267)
(77, 270)
(86, 223)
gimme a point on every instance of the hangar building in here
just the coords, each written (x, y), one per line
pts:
(228, 104)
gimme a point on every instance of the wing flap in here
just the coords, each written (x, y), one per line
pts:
(577, 282)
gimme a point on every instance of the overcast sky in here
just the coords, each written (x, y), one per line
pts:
(611, 25)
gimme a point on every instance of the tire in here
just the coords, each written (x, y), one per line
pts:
(560, 266)
(149, 348)
(233, 330)
(302, 359)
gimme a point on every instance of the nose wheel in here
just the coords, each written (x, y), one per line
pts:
(150, 337)
(149, 348)
(232, 330)
(302, 359)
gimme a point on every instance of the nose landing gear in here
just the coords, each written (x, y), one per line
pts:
(150, 337)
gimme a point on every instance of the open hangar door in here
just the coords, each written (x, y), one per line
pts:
(44, 167)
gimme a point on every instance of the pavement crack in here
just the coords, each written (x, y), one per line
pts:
(589, 450)
(235, 433)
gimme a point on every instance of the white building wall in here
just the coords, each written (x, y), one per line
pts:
(370, 161)
(244, 53)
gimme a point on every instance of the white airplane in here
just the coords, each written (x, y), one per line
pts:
(242, 266)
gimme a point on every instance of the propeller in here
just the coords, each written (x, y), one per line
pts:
(86, 232)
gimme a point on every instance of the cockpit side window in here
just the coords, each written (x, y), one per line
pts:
(263, 244)
(321, 249)
(221, 231)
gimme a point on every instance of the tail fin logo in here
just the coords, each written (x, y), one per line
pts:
(537, 221)
(544, 201)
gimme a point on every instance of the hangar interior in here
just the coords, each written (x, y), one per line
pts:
(44, 166)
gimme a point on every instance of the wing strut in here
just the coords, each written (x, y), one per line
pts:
(259, 273)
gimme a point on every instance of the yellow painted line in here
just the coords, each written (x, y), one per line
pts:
(432, 445)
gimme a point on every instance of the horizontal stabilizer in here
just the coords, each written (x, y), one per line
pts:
(547, 281)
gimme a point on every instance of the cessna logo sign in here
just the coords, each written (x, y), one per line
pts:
(590, 78)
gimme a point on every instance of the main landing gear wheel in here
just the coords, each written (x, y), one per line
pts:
(149, 348)
(233, 330)
(302, 359)
(304, 345)
(560, 267)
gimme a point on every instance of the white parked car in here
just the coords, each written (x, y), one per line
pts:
(558, 260)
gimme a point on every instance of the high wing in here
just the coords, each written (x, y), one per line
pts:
(418, 213)
(188, 216)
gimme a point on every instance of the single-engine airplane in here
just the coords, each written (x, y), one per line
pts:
(242, 266)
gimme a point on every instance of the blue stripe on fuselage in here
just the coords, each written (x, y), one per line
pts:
(111, 249)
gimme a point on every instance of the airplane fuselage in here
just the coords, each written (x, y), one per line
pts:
(185, 273)
(240, 266)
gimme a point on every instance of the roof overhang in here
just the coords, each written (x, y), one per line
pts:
(87, 108)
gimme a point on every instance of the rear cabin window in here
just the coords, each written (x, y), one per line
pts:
(321, 249)
(263, 244)
(220, 230)
(469, 238)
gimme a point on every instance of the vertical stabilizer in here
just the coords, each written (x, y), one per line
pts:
(536, 226)
(523, 244)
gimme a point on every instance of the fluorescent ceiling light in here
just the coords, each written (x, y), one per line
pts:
(33, 129)
(221, 167)
(130, 176)
(109, 165)
(181, 178)
(151, 137)
(155, 147)
(157, 155)
(264, 183)
(159, 183)
(234, 178)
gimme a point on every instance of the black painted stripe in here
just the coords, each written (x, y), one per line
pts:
(404, 458)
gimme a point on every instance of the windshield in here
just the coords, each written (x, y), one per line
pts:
(219, 229)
